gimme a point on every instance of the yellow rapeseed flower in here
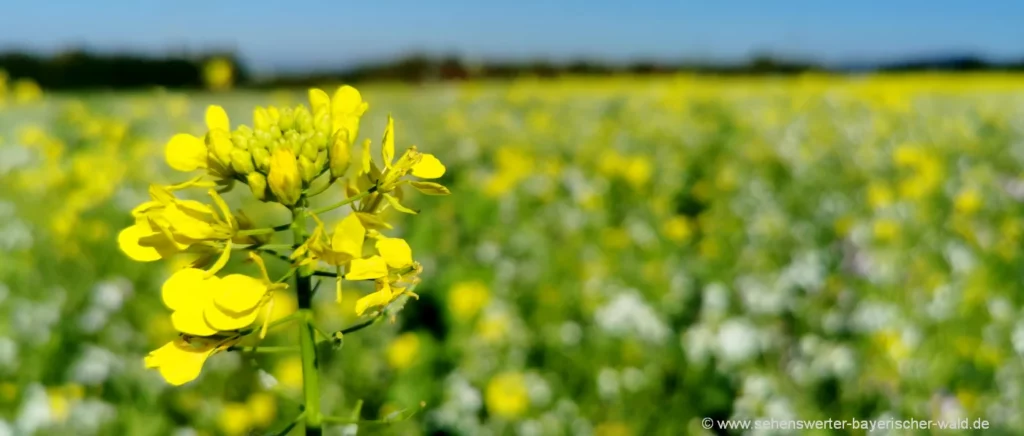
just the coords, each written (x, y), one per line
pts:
(506, 395)
(402, 351)
(465, 299)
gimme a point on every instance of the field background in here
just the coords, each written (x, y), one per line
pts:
(621, 255)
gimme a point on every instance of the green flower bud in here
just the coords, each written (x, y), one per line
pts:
(241, 161)
(260, 120)
(321, 160)
(240, 142)
(262, 137)
(322, 121)
(308, 150)
(308, 169)
(275, 115)
(258, 185)
(287, 120)
(340, 154)
(261, 157)
(320, 140)
(303, 119)
(242, 137)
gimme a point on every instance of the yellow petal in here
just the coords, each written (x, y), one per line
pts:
(393, 201)
(364, 269)
(372, 221)
(164, 242)
(348, 236)
(366, 158)
(128, 240)
(178, 361)
(240, 293)
(185, 152)
(217, 119)
(395, 251)
(347, 107)
(319, 100)
(429, 167)
(226, 321)
(187, 225)
(191, 321)
(388, 143)
(186, 288)
(430, 188)
(376, 299)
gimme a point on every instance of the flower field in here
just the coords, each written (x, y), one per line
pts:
(617, 256)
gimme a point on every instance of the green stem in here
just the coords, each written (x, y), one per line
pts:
(307, 340)
(341, 203)
(261, 350)
(264, 247)
(264, 230)
(325, 273)
(322, 189)
(362, 325)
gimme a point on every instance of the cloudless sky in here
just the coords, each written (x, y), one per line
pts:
(292, 34)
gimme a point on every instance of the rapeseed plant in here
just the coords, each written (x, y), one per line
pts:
(280, 158)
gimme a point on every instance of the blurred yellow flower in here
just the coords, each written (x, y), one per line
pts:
(879, 195)
(262, 408)
(288, 372)
(234, 419)
(612, 429)
(968, 201)
(466, 299)
(886, 229)
(506, 395)
(403, 350)
(493, 327)
(677, 228)
(219, 73)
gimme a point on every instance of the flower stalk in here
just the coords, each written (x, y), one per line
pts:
(307, 332)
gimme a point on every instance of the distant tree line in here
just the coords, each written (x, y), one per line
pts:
(84, 70)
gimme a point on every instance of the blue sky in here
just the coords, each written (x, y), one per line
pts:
(291, 34)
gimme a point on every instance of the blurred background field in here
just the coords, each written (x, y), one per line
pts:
(619, 256)
(630, 246)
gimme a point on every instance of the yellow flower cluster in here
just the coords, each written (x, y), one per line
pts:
(18, 91)
(279, 157)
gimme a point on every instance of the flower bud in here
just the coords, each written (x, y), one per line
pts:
(308, 169)
(303, 119)
(284, 178)
(258, 185)
(321, 159)
(261, 157)
(260, 120)
(309, 150)
(241, 161)
(320, 140)
(340, 154)
(275, 115)
(287, 120)
(322, 121)
(219, 142)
